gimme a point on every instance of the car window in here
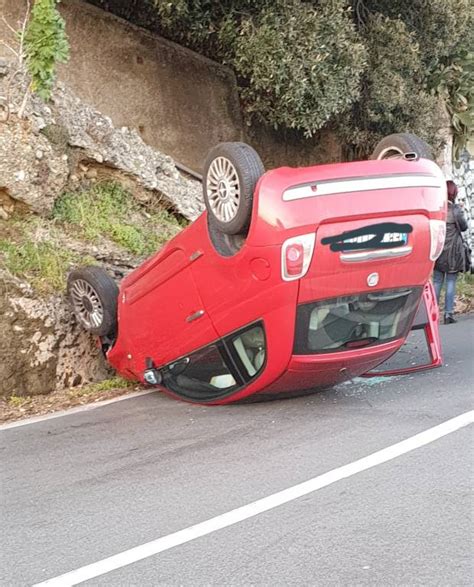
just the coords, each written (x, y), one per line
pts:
(203, 373)
(250, 347)
(219, 368)
(355, 321)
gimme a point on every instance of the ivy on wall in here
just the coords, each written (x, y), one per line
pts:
(45, 45)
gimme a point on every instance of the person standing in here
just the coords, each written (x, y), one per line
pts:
(451, 261)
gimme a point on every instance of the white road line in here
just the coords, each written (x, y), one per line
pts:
(257, 507)
(75, 410)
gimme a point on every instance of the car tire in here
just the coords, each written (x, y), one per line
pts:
(93, 295)
(230, 175)
(226, 245)
(396, 146)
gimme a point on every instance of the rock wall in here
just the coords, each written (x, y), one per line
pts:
(32, 172)
(179, 102)
(41, 156)
(463, 176)
(41, 346)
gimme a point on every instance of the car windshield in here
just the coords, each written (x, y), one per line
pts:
(355, 321)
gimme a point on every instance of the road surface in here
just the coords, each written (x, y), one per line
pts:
(81, 488)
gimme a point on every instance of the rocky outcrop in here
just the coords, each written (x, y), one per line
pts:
(30, 171)
(41, 347)
(49, 150)
(124, 149)
(39, 154)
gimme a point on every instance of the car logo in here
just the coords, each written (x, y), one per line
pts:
(372, 279)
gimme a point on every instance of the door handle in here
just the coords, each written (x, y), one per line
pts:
(195, 316)
(373, 255)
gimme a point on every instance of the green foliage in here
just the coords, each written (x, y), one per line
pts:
(105, 210)
(455, 83)
(109, 210)
(438, 37)
(365, 68)
(298, 64)
(306, 86)
(43, 264)
(16, 401)
(439, 26)
(93, 389)
(394, 98)
(46, 45)
(465, 286)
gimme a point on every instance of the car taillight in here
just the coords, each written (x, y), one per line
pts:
(296, 255)
(438, 234)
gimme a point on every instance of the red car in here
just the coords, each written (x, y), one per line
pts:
(293, 279)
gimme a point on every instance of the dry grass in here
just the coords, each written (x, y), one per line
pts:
(16, 407)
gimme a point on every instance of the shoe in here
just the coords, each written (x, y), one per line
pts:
(449, 319)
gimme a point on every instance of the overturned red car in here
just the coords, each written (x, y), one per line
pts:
(292, 280)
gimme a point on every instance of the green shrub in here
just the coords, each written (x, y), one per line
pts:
(45, 45)
(365, 68)
(393, 96)
(43, 264)
(304, 64)
(108, 210)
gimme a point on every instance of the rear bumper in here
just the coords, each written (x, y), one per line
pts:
(327, 369)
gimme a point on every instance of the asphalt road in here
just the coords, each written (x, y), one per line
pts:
(82, 487)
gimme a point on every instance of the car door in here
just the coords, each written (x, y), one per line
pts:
(219, 369)
(163, 314)
(426, 319)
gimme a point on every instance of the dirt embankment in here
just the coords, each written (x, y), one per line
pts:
(73, 190)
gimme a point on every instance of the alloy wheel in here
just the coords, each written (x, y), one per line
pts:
(223, 188)
(86, 303)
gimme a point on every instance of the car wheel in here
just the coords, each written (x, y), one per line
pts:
(226, 245)
(401, 146)
(230, 175)
(93, 295)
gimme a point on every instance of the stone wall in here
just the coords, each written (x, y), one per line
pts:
(181, 103)
(66, 146)
(463, 176)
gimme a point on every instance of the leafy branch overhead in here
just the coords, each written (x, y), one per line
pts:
(365, 68)
(455, 82)
(362, 68)
(46, 45)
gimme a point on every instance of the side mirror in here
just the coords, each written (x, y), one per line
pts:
(151, 374)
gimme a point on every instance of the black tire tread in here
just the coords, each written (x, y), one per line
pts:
(108, 292)
(406, 142)
(226, 245)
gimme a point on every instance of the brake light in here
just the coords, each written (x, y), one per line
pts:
(296, 254)
(438, 234)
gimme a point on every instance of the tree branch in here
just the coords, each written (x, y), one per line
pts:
(17, 55)
(361, 11)
(6, 23)
(23, 30)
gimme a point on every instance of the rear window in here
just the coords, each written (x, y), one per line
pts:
(355, 321)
